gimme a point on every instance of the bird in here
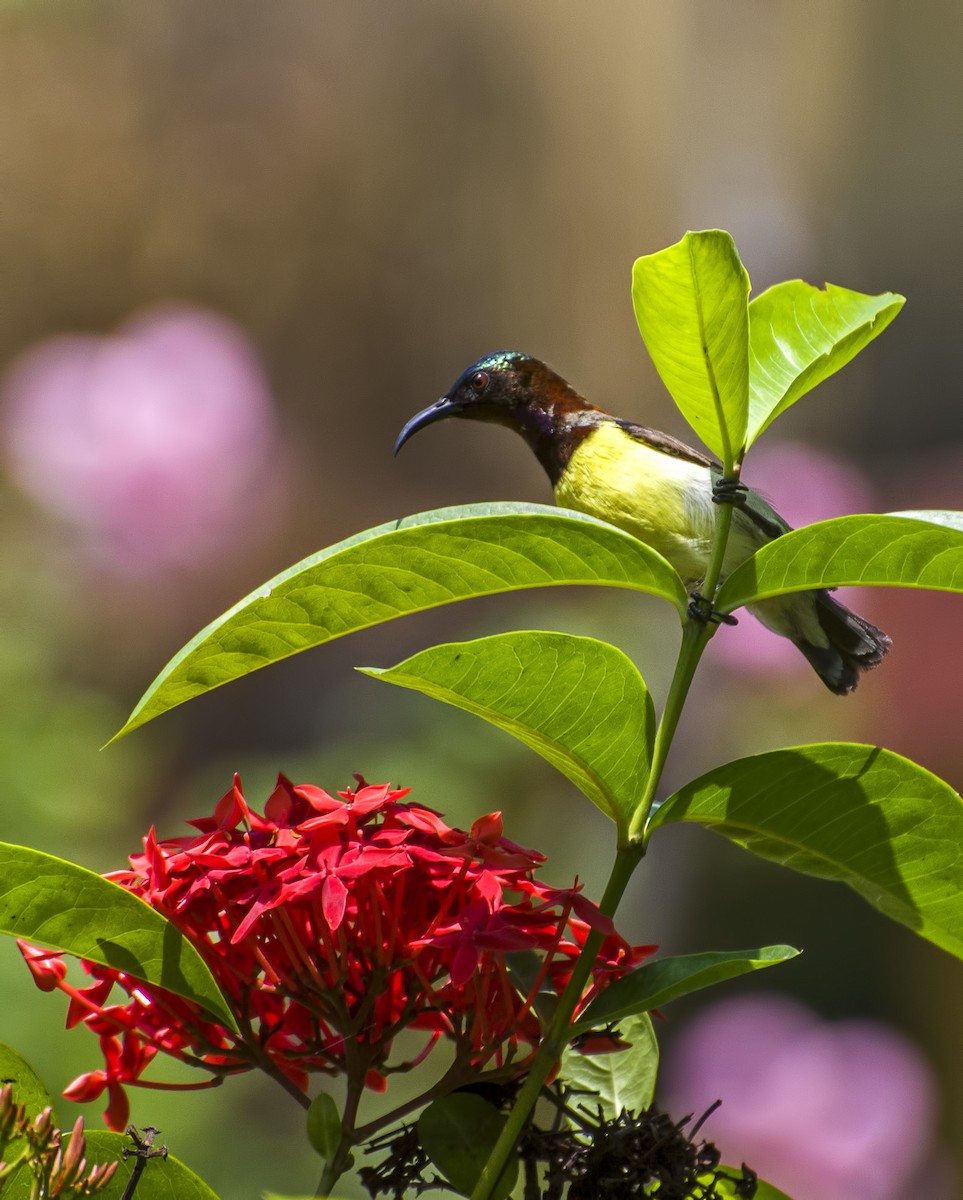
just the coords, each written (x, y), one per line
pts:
(660, 490)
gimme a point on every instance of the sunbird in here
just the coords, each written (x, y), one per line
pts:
(660, 490)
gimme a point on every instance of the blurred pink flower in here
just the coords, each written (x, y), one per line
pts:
(823, 1110)
(804, 484)
(153, 442)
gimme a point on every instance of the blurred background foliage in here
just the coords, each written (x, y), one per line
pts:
(241, 243)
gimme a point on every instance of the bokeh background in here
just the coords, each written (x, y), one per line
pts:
(241, 243)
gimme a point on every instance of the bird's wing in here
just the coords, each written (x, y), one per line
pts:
(665, 443)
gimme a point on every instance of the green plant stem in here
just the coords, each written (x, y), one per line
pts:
(554, 1042)
(720, 539)
(695, 638)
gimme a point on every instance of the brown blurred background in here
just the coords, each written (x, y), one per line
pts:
(373, 195)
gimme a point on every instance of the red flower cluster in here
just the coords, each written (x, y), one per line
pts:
(331, 924)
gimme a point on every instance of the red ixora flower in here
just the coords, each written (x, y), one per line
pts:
(332, 923)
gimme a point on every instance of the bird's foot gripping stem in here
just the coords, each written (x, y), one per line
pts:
(728, 490)
(701, 610)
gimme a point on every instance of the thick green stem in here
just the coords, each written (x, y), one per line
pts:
(550, 1049)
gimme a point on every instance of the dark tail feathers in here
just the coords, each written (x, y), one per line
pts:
(854, 645)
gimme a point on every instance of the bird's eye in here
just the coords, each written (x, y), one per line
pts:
(479, 381)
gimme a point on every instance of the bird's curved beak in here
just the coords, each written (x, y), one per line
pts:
(445, 407)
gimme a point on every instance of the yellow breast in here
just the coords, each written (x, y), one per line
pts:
(662, 500)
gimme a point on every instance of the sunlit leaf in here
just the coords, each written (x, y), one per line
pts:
(58, 904)
(691, 304)
(579, 703)
(656, 983)
(403, 567)
(799, 335)
(864, 816)
(916, 551)
(621, 1079)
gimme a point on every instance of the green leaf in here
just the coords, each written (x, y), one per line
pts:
(799, 335)
(656, 983)
(28, 1089)
(458, 1133)
(403, 567)
(324, 1126)
(873, 550)
(691, 303)
(579, 703)
(623, 1079)
(864, 816)
(58, 904)
(162, 1178)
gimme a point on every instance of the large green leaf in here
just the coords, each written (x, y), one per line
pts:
(406, 566)
(799, 335)
(58, 904)
(579, 703)
(858, 814)
(656, 983)
(691, 303)
(918, 551)
(617, 1080)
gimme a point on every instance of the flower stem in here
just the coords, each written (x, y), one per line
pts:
(695, 638)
